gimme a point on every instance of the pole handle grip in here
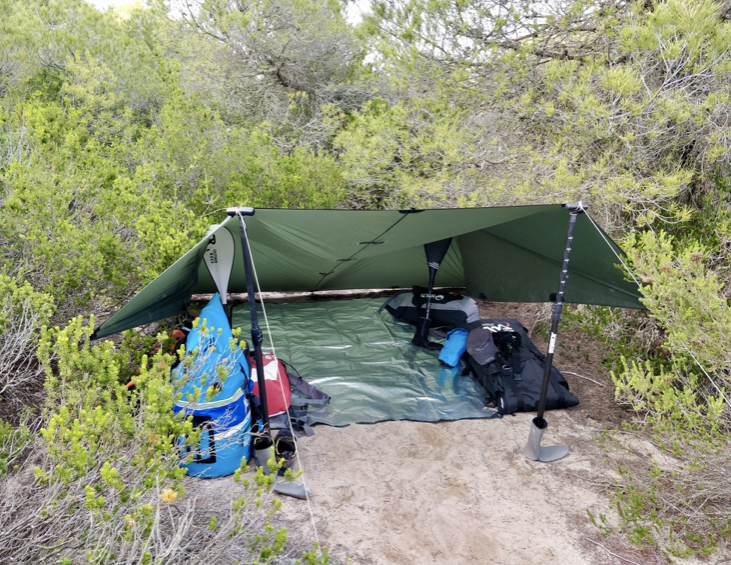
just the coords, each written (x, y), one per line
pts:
(240, 211)
(576, 207)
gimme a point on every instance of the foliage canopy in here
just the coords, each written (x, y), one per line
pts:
(122, 136)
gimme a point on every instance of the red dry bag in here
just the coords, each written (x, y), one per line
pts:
(279, 396)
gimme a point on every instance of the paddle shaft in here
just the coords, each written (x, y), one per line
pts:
(256, 336)
(435, 253)
(430, 291)
(574, 211)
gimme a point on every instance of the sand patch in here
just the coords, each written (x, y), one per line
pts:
(450, 492)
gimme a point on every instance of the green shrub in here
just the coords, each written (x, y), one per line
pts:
(22, 314)
(672, 369)
(13, 443)
(102, 483)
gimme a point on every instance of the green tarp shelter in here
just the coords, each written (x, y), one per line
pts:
(508, 254)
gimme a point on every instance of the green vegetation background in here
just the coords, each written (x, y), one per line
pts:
(124, 135)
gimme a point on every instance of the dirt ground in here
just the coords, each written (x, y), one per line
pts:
(461, 492)
(451, 492)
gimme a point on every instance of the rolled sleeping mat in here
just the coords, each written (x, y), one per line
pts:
(454, 347)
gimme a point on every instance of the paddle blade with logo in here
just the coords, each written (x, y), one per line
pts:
(219, 259)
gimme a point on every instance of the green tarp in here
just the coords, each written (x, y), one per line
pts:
(510, 254)
(365, 361)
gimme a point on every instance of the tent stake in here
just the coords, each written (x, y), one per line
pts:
(256, 336)
(533, 449)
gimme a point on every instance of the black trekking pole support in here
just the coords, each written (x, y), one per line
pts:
(435, 253)
(421, 335)
(430, 292)
(256, 336)
(533, 450)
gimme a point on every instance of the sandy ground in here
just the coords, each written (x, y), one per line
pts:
(412, 493)
(452, 493)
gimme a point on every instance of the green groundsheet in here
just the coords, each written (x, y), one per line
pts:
(365, 361)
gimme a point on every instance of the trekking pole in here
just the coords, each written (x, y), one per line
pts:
(533, 450)
(256, 336)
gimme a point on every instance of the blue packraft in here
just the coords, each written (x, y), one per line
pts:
(225, 418)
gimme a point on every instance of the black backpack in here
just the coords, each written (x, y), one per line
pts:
(510, 367)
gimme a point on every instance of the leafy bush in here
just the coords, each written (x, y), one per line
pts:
(22, 314)
(672, 369)
(102, 482)
(14, 441)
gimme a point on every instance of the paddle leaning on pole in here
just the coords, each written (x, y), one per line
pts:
(263, 442)
(219, 260)
(435, 253)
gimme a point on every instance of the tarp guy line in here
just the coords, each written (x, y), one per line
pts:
(706, 373)
(626, 268)
(640, 287)
(289, 419)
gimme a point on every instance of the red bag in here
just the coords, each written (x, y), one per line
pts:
(279, 396)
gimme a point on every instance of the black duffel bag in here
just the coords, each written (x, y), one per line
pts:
(510, 368)
(449, 310)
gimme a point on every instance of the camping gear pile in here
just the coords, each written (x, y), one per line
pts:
(510, 367)
(219, 389)
(448, 309)
(511, 254)
(497, 352)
